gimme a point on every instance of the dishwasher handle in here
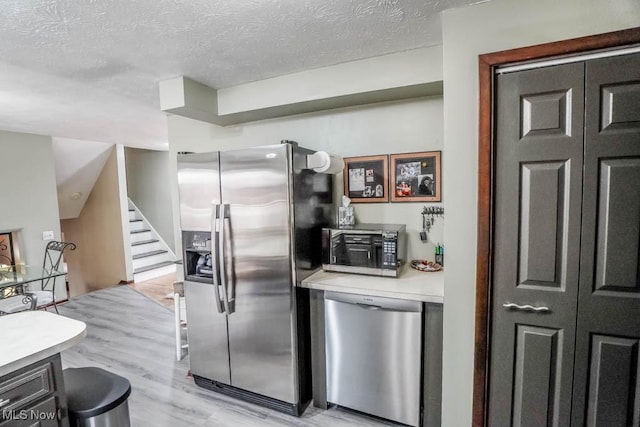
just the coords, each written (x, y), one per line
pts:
(369, 306)
(380, 308)
(374, 303)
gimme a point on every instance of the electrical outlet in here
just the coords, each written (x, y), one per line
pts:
(47, 235)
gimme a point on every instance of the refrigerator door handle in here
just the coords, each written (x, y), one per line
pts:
(231, 291)
(215, 224)
(224, 217)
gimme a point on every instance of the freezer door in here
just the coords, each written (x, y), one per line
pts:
(207, 333)
(199, 188)
(255, 190)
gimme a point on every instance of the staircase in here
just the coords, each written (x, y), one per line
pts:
(151, 255)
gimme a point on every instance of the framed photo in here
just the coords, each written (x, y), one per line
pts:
(415, 177)
(366, 179)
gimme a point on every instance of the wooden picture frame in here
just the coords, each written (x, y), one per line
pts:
(416, 177)
(366, 179)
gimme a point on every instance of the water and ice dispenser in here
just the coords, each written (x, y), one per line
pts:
(198, 254)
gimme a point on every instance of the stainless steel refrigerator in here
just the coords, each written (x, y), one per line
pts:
(251, 224)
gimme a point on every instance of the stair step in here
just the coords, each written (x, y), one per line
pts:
(148, 254)
(144, 242)
(144, 230)
(153, 267)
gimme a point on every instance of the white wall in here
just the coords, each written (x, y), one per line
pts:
(77, 164)
(123, 202)
(397, 127)
(468, 32)
(29, 201)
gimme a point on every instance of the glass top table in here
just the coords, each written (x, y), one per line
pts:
(18, 275)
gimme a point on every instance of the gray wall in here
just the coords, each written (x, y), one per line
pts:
(395, 127)
(29, 200)
(467, 32)
(148, 186)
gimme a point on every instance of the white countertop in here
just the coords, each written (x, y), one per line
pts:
(30, 336)
(411, 285)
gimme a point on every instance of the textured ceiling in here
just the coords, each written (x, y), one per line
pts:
(89, 69)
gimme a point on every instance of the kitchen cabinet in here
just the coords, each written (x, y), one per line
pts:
(31, 383)
(34, 395)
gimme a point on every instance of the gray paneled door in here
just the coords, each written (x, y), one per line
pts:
(537, 237)
(566, 273)
(606, 387)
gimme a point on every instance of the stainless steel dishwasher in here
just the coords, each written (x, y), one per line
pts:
(373, 347)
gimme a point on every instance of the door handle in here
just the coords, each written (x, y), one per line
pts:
(215, 225)
(231, 292)
(373, 307)
(526, 307)
(369, 306)
(224, 216)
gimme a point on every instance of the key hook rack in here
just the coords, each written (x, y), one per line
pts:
(429, 215)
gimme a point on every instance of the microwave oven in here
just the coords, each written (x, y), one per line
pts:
(375, 249)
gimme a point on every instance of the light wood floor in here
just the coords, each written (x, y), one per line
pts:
(159, 289)
(133, 336)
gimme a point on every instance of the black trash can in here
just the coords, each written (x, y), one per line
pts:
(97, 398)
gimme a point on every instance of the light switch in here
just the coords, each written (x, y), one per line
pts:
(47, 235)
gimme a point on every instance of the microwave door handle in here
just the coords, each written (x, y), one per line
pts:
(215, 225)
(222, 258)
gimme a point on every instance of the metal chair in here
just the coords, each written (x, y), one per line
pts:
(46, 295)
(12, 301)
(32, 299)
